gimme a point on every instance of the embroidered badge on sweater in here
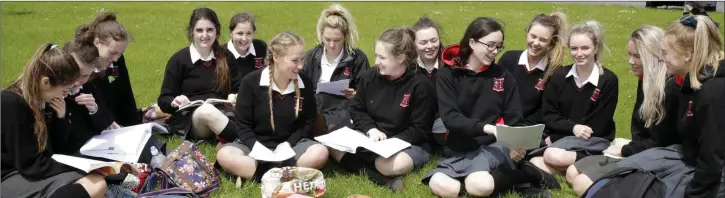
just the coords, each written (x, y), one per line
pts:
(406, 98)
(498, 84)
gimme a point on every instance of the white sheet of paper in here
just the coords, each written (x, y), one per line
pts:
(348, 140)
(343, 139)
(334, 87)
(86, 165)
(281, 153)
(388, 147)
(122, 144)
(526, 137)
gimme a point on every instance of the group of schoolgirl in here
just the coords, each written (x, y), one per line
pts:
(418, 91)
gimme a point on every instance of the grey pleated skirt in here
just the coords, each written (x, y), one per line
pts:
(458, 165)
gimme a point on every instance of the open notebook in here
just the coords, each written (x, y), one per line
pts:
(348, 140)
(122, 144)
(282, 152)
(196, 103)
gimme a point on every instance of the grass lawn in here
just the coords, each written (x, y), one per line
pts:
(158, 31)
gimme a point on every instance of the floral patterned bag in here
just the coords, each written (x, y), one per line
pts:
(185, 169)
(293, 181)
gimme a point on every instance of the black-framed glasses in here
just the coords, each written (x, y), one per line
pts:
(491, 47)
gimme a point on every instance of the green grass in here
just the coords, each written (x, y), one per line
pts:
(158, 30)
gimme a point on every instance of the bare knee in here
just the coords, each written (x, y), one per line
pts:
(559, 157)
(539, 162)
(444, 186)
(314, 157)
(479, 184)
(94, 184)
(236, 162)
(571, 173)
(398, 164)
(581, 183)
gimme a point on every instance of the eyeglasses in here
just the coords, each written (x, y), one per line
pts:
(491, 47)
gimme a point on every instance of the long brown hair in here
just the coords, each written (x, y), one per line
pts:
(82, 47)
(401, 44)
(557, 53)
(61, 70)
(224, 82)
(278, 47)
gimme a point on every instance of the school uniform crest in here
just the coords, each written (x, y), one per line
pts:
(498, 84)
(540, 85)
(347, 70)
(595, 95)
(689, 109)
(406, 98)
(259, 62)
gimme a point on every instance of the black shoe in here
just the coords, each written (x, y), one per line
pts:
(544, 179)
(531, 192)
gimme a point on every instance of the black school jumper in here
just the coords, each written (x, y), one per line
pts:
(566, 105)
(701, 131)
(252, 112)
(399, 107)
(658, 135)
(115, 85)
(83, 124)
(24, 170)
(531, 86)
(248, 63)
(468, 100)
(197, 81)
(646, 138)
(335, 108)
(466, 103)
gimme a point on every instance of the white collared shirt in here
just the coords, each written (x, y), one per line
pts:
(236, 54)
(421, 64)
(524, 60)
(196, 56)
(328, 67)
(264, 82)
(593, 77)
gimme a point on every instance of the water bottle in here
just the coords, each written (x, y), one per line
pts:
(157, 158)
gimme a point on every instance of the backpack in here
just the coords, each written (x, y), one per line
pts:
(627, 182)
(185, 172)
(293, 182)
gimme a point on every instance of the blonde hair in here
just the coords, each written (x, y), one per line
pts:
(337, 17)
(557, 54)
(698, 35)
(648, 40)
(278, 47)
(594, 30)
(59, 67)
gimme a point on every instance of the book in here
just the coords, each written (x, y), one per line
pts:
(349, 140)
(281, 153)
(526, 137)
(89, 165)
(123, 144)
(196, 103)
